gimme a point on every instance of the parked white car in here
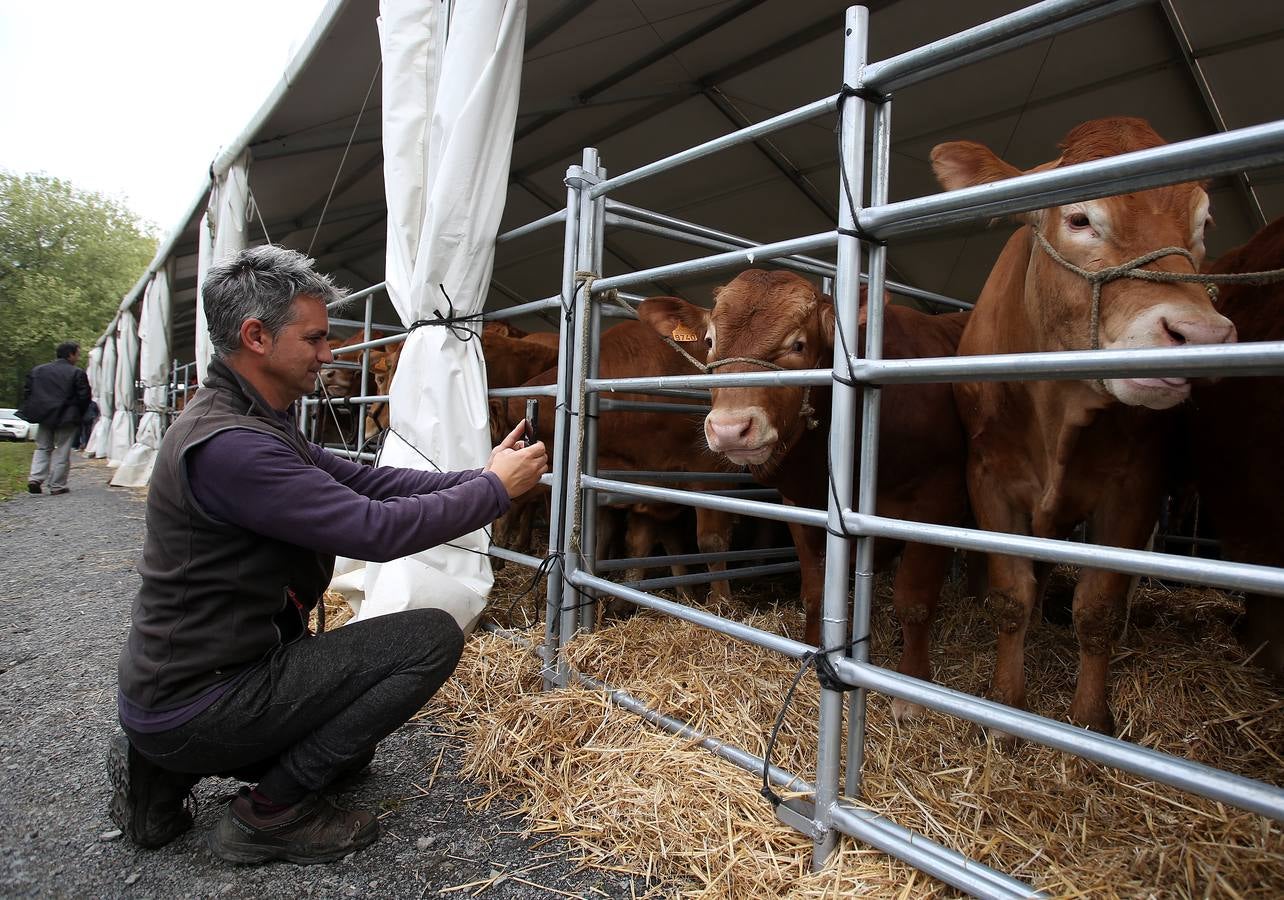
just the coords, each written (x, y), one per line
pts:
(14, 429)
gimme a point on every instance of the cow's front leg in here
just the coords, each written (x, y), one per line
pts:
(713, 534)
(915, 594)
(810, 544)
(1100, 599)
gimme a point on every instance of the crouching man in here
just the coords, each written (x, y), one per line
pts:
(220, 674)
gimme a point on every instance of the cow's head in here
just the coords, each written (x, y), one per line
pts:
(1096, 234)
(778, 317)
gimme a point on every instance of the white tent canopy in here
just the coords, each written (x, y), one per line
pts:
(121, 437)
(104, 392)
(222, 236)
(153, 334)
(447, 125)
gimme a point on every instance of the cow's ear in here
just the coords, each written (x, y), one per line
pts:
(828, 322)
(674, 318)
(963, 164)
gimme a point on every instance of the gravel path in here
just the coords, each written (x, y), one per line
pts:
(67, 582)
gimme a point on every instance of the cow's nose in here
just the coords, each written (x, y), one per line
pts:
(729, 433)
(1212, 329)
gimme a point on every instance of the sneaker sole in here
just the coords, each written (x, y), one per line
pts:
(118, 808)
(246, 853)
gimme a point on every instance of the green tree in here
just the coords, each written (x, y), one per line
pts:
(67, 257)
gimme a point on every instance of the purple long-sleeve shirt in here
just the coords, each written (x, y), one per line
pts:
(254, 481)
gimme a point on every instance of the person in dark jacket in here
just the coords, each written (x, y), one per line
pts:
(220, 674)
(55, 396)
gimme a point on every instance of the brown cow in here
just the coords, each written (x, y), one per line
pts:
(1237, 443)
(645, 440)
(783, 318)
(1046, 455)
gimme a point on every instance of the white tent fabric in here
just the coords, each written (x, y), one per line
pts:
(204, 256)
(104, 393)
(153, 333)
(448, 121)
(93, 371)
(222, 235)
(122, 420)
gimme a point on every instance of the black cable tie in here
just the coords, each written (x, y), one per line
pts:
(864, 92)
(827, 672)
(861, 234)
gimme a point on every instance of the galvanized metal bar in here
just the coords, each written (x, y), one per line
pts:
(1025, 26)
(372, 343)
(842, 430)
(628, 223)
(663, 475)
(806, 113)
(1252, 358)
(357, 295)
(775, 511)
(1204, 157)
(534, 390)
(1216, 573)
(554, 218)
(656, 584)
(656, 383)
(521, 309)
(688, 559)
(593, 406)
(338, 450)
(719, 261)
(561, 429)
(522, 559)
(645, 406)
(1205, 781)
(577, 499)
(867, 498)
(358, 323)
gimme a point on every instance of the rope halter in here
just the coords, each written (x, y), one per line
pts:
(1130, 269)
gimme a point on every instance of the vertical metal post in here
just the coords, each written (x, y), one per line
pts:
(864, 594)
(577, 499)
(833, 628)
(171, 401)
(363, 407)
(588, 542)
(561, 427)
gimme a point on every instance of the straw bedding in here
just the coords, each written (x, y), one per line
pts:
(632, 798)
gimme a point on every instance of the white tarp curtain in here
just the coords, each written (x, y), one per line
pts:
(448, 120)
(122, 419)
(93, 371)
(153, 333)
(104, 391)
(222, 234)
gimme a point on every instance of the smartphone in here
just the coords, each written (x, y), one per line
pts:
(531, 434)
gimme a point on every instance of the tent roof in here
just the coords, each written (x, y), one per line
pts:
(641, 79)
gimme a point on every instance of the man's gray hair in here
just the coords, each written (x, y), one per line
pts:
(260, 283)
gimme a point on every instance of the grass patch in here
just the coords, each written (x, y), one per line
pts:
(15, 466)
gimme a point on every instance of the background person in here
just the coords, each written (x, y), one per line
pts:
(244, 516)
(54, 396)
(86, 426)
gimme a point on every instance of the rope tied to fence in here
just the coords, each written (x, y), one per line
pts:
(827, 675)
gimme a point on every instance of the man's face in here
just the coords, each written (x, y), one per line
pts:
(297, 352)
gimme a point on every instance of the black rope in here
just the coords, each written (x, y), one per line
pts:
(455, 323)
(864, 92)
(827, 675)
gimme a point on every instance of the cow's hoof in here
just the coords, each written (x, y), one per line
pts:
(1002, 740)
(904, 712)
(1095, 718)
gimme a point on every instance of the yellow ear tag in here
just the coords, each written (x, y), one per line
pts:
(682, 333)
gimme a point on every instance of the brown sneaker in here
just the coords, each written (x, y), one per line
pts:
(313, 830)
(149, 804)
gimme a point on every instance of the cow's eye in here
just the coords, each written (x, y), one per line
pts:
(798, 346)
(1078, 221)
(708, 342)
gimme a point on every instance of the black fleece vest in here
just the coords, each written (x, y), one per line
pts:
(215, 598)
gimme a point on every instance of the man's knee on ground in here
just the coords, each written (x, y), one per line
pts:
(435, 633)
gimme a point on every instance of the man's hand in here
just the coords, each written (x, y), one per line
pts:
(519, 467)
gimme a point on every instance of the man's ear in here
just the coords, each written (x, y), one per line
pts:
(673, 318)
(254, 337)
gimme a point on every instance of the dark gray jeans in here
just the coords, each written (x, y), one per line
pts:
(303, 716)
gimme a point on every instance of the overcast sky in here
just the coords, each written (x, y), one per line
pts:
(135, 97)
